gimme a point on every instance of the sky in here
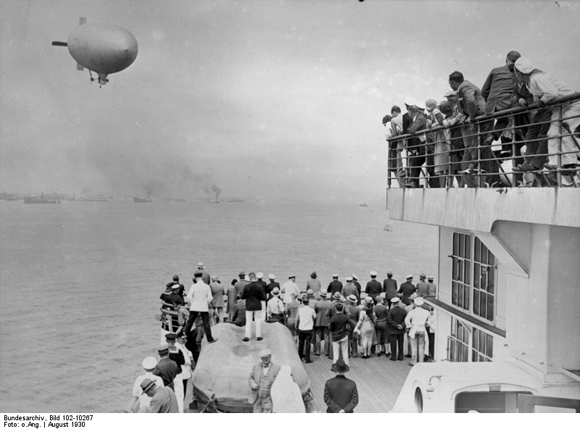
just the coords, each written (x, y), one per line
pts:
(264, 99)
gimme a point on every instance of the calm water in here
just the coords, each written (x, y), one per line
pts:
(80, 281)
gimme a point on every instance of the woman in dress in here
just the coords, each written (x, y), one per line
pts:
(366, 327)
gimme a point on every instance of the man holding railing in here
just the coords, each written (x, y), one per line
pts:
(546, 87)
(471, 104)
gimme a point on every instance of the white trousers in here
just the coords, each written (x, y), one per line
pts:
(249, 316)
(568, 144)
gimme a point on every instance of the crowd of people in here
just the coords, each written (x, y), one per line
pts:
(458, 152)
(340, 321)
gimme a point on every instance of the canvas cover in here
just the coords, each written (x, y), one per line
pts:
(224, 367)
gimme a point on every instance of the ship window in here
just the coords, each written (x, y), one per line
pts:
(483, 281)
(480, 272)
(458, 342)
(482, 346)
(461, 271)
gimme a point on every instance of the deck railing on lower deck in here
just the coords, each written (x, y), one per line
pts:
(439, 161)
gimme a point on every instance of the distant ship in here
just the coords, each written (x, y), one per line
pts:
(12, 199)
(40, 200)
(363, 205)
(235, 200)
(142, 200)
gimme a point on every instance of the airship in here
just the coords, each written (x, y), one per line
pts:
(101, 48)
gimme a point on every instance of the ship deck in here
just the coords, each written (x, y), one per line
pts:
(379, 381)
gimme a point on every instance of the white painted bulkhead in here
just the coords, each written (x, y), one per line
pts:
(536, 323)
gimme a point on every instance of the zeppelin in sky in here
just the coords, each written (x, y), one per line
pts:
(102, 48)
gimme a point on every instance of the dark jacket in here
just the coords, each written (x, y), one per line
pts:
(373, 288)
(321, 307)
(254, 295)
(396, 317)
(469, 100)
(167, 370)
(390, 288)
(497, 90)
(339, 326)
(334, 286)
(340, 393)
(407, 290)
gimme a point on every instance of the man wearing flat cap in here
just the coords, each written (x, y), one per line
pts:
(261, 379)
(241, 283)
(544, 88)
(340, 393)
(163, 400)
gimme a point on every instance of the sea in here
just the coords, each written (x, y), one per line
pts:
(80, 281)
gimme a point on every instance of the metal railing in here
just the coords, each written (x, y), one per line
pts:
(416, 166)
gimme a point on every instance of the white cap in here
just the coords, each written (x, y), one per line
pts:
(524, 65)
(260, 275)
(271, 276)
(349, 279)
(419, 301)
(420, 105)
(354, 277)
(373, 273)
(335, 276)
(200, 265)
(149, 362)
(410, 101)
(409, 276)
(264, 353)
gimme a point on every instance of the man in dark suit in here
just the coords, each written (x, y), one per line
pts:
(396, 321)
(497, 91)
(390, 288)
(271, 286)
(166, 368)
(472, 104)
(374, 288)
(340, 393)
(335, 285)
(254, 295)
(407, 289)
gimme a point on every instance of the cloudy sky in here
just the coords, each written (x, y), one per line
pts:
(267, 99)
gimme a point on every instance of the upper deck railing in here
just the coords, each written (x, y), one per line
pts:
(439, 160)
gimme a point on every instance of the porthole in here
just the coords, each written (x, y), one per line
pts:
(419, 400)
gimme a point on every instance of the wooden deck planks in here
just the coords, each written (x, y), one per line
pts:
(378, 379)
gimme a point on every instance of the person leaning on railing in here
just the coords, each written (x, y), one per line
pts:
(415, 145)
(546, 87)
(441, 145)
(452, 118)
(471, 104)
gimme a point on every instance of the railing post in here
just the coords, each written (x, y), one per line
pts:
(559, 156)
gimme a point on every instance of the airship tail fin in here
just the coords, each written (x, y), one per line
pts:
(82, 20)
(59, 44)
(79, 67)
